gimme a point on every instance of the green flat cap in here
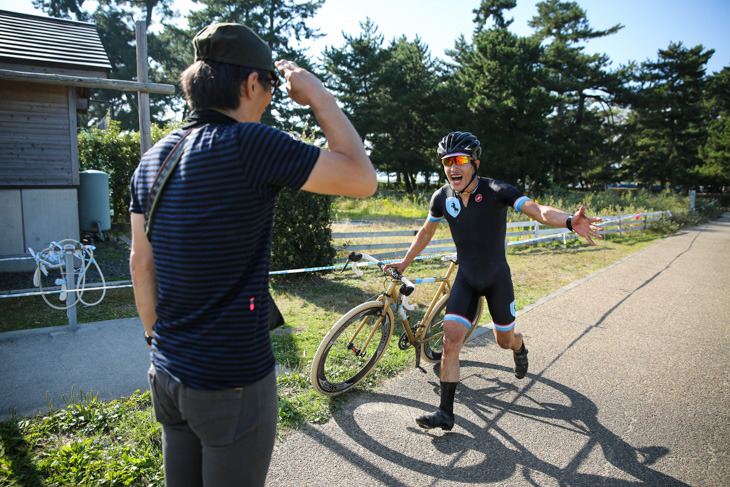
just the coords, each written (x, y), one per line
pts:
(233, 44)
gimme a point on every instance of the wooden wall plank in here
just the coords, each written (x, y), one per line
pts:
(37, 135)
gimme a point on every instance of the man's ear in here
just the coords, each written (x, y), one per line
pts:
(248, 86)
(476, 163)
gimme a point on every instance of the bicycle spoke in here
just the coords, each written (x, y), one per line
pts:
(352, 350)
(433, 348)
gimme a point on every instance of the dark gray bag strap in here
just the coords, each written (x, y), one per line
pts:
(163, 174)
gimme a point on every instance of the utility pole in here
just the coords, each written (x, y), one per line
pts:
(145, 132)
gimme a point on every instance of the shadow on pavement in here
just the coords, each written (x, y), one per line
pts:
(561, 409)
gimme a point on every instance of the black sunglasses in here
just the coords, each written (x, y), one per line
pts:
(270, 80)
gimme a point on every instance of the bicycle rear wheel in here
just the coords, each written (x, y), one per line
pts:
(351, 349)
(432, 349)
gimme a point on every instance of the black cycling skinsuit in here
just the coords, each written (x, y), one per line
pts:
(479, 231)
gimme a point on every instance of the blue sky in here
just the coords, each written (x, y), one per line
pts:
(650, 25)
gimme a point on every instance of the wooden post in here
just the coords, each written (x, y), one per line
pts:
(145, 132)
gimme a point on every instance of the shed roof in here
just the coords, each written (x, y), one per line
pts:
(37, 40)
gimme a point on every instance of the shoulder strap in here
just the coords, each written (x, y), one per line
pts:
(168, 165)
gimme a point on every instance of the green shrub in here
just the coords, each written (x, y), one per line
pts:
(302, 235)
(116, 153)
(302, 231)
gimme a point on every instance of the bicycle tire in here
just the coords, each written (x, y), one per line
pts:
(431, 350)
(336, 368)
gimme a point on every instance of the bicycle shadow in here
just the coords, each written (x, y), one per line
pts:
(492, 439)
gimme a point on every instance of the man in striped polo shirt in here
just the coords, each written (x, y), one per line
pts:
(201, 278)
(476, 211)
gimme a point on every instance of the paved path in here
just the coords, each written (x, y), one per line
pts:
(108, 358)
(633, 392)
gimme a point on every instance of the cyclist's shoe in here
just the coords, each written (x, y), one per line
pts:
(438, 419)
(521, 362)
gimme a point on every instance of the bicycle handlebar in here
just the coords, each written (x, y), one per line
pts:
(405, 290)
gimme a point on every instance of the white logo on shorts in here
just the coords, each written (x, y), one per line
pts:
(512, 309)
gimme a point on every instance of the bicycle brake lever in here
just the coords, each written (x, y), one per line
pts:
(344, 267)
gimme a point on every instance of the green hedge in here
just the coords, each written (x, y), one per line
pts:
(117, 154)
(302, 231)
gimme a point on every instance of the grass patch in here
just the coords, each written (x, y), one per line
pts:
(89, 442)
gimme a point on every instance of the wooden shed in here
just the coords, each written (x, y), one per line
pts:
(39, 167)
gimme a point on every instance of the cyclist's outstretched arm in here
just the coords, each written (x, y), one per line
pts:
(423, 237)
(547, 215)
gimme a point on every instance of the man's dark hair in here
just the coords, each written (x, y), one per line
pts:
(211, 84)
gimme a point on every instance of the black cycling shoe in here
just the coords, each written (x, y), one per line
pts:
(438, 419)
(521, 363)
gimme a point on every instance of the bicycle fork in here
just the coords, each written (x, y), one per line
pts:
(351, 343)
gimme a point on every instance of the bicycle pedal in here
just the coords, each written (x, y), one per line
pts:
(404, 343)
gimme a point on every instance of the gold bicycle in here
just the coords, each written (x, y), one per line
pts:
(357, 342)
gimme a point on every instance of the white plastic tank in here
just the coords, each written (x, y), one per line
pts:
(94, 202)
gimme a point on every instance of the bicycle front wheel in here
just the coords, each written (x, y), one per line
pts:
(433, 336)
(352, 348)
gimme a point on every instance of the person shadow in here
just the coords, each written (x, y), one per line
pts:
(493, 439)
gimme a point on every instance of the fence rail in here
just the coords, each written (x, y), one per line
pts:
(537, 233)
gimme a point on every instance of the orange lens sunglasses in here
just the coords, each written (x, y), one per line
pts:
(459, 160)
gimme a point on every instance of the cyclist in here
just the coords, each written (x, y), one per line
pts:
(476, 210)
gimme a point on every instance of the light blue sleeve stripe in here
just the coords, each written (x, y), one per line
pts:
(459, 318)
(520, 201)
(432, 218)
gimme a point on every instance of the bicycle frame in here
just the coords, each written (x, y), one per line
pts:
(392, 295)
(444, 289)
(358, 340)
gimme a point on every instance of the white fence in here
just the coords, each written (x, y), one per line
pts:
(516, 233)
(534, 232)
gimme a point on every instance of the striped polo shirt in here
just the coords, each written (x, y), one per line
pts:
(211, 245)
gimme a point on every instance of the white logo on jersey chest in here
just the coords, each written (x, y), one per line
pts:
(453, 206)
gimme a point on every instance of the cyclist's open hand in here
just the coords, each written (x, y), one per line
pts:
(584, 226)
